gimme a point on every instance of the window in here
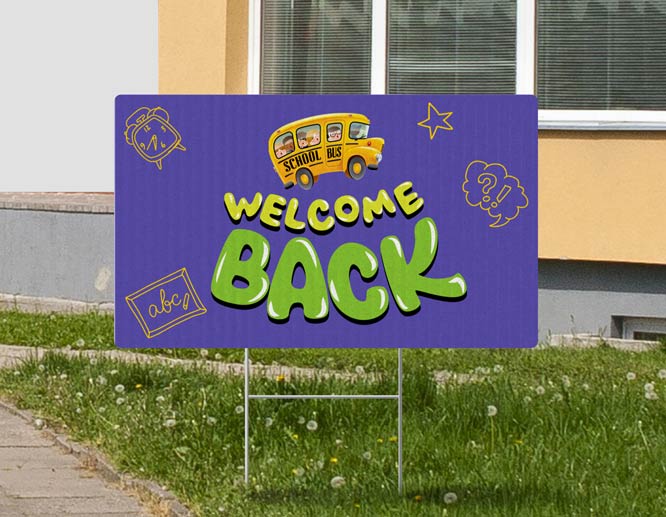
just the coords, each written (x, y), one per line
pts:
(334, 132)
(594, 64)
(358, 130)
(308, 136)
(602, 55)
(284, 145)
(438, 46)
(315, 46)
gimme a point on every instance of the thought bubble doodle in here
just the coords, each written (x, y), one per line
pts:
(490, 187)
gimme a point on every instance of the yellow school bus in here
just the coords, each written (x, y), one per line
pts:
(337, 142)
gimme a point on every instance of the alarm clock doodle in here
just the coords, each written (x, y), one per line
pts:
(152, 135)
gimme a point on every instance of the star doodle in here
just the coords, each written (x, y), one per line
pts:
(436, 123)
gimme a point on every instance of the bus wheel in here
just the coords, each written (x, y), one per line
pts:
(304, 179)
(356, 167)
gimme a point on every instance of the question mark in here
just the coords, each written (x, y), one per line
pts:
(488, 181)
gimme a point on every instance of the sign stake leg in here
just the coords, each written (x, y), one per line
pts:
(246, 415)
(400, 421)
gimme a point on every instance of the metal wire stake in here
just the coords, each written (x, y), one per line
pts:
(400, 421)
(246, 414)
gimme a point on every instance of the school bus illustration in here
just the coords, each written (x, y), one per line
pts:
(336, 142)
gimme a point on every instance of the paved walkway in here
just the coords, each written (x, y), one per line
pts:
(37, 478)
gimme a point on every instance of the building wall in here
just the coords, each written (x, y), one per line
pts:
(600, 192)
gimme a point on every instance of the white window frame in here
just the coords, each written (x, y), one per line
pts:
(526, 56)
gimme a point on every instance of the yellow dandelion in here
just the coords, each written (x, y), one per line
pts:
(280, 378)
(294, 436)
(139, 386)
(418, 498)
(393, 439)
(356, 505)
(334, 461)
(518, 442)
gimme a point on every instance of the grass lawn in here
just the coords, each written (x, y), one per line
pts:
(573, 435)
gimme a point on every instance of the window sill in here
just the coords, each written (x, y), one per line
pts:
(589, 120)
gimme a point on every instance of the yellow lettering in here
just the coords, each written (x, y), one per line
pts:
(272, 210)
(319, 205)
(349, 202)
(236, 210)
(409, 202)
(290, 217)
(375, 207)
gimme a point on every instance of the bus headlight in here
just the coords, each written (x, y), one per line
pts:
(378, 157)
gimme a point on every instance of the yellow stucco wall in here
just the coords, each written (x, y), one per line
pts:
(602, 195)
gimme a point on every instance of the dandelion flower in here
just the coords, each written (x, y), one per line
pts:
(268, 421)
(119, 388)
(93, 361)
(160, 398)
(39, 423)
(80, 343)
(558, 397)
(360, 370)
(492, 411)
(79, 394)
(102, 409)
(333, 460)
(113, 372)
(120, 401)
(418, 498)
(338, 482)
(649, 386)
(138, 386)
(218, 357)
(566, 382)
(539, 390)
(662, 374)
(239, 410)
(631, 376)
(498, 368)
(380, 440)
(527, 399)
(294, 436)
(41, 368)
(170, 422)
(78, 410)
(312, 425)
(585, 386)
(338, 442)
(651, 395)
(301, 420)
(298, 472)
(367, 455)
(320, 464)
(280, 378)
(450, 498)
(203, 352)
(211, 420)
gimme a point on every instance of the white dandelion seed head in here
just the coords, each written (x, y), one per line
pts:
(498, 368)
(360, 370)
(120, 401)
(160, 398)
(170, 422)
(631, 376)
(203, 352)
(320, 464)
(93, 361)
(338, 482)
(539, 390)
(338, 442)
(101, 380)
(649, 386)
(450, 498)
(79, 395)
(585, 386)
(78, 410)
(16, 373)
(113, 372)
(218, 356)
(102, 409)
(299, 472)
(119, 388)
(566, 382)
(63, 376)
(38, 423)
(80, 343)
(527, 399)
(492, 411)
(558, 397)
(312, 425)
(211, 420)
(301, 420)
(268, 421)
(662, 374)
(651, 395)
(367, 455)
(41, 368)
(239, 409)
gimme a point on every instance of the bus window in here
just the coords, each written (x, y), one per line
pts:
(308, 136)
(357, 130)
(284, 144)
(334, 132)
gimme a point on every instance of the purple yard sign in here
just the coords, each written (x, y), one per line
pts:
(326, 221)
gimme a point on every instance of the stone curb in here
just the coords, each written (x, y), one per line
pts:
(147, 490)
(40, 304)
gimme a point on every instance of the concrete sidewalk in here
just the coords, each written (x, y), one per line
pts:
(37, 478)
